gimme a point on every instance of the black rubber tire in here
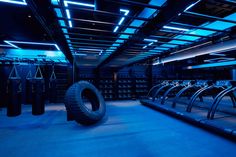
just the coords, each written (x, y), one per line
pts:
(75, 105)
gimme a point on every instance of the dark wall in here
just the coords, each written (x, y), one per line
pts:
(171, 71)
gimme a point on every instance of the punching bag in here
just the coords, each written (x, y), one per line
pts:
(14, 91)
(28, 88)
(52, 87)
(38, 89)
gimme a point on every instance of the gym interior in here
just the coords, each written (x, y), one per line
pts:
(120, 78)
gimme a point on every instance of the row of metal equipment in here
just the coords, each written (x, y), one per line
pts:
(205, 102)
(35, 92)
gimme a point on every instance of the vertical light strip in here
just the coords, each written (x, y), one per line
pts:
(126, 12)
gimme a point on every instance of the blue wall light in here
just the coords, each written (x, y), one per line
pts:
(12, 43)
(15, 2)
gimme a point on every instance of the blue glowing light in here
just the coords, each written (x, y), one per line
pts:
(217, 54)
(209, 65)
(121, 21)
(145, 47)
(15, 2)
(12, 43)
(150, 44)
(31, 54)
(85, 49)
(176, 28)
(75, 3)
(150, 40)
(126, 12)
(70, 24)
(190, 6)
(219, 59)
(116, 28)
(80, 54)
(78, 3)
(5, 45)
(68, 13)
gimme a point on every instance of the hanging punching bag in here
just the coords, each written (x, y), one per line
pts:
(52, 87)
(28, 88)
(38, 89)
(14, 91)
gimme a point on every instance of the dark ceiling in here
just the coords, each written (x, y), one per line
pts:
(101, 33)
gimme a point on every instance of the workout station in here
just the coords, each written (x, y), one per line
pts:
(120, 78)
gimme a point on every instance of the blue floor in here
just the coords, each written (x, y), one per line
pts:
(128, 130)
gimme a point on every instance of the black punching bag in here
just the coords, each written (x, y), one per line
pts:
(38, 89)
(28, 88)
(14, 91)
(52, 87)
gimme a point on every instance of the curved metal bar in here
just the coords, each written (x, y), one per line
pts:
(196, 95)
(164, 98)
(212, 114)
(153, 88)
(215, 100)
(180, 93)
(160, 89)
(233, 98)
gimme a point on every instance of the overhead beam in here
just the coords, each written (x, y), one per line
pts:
(132, 3)
(165, 15)
(47, 19)
(207, 17)
(111, 14)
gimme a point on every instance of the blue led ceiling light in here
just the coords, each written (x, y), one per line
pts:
(150, 40)
(209, 65)
(190, 6)
(75, 3)
(78, 3)
(145, 47)
(15, 2)
(5, 45)
(93, 50)
(126, 12)
(217, 54)
(219, 59)
(176, 28)
(12, 43)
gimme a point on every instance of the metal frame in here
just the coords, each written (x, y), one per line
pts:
(134, 40)
(199, 93)
(218, 98)
(165, 96)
